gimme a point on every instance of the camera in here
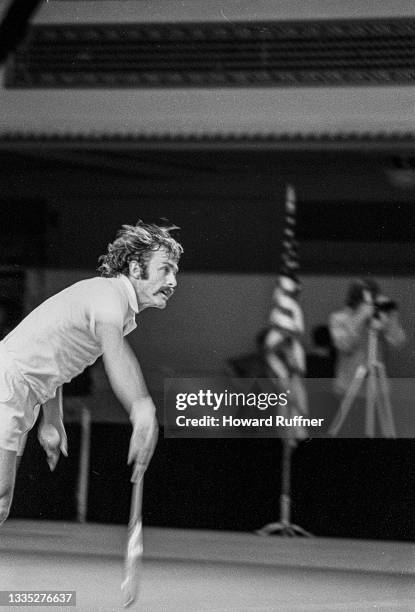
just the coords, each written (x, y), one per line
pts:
(385, 305)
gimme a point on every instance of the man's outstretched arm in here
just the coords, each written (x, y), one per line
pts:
(128, 384)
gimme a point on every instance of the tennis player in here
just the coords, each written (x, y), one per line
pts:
(68, 332)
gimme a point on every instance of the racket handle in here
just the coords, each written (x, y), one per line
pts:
(136, 504)
(132, 570)
(131, 582)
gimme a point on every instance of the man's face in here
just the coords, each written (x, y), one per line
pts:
(158, 287)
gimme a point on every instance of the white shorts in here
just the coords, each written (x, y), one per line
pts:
(19, 407)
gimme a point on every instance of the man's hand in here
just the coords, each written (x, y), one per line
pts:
(367, 307)
(380, 321)
(144, 436)
(51, 447)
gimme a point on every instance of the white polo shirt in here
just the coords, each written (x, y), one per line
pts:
(58, 339)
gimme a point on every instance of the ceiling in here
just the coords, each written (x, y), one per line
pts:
(318, 106)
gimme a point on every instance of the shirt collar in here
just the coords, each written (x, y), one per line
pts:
(132, 298)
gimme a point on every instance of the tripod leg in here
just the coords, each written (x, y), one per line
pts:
(370, 403)
(383, 417)
(386, 413)
(348, 400)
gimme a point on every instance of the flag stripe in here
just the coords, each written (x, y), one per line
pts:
(284, 349)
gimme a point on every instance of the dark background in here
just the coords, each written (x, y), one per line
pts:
(340, 488)
(59, 208)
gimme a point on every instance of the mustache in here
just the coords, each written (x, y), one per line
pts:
(167, 290)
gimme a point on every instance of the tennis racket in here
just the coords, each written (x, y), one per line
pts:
(132, 569)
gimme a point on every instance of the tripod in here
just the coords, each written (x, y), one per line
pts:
(377, 394)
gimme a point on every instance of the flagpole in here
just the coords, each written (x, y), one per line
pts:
(284, 526)
(287, 364)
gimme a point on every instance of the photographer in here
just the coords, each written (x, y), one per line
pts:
(365, 308)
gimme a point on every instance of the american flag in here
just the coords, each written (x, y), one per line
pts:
(284, 351)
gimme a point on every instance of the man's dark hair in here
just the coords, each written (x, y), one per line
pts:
(355, 293)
